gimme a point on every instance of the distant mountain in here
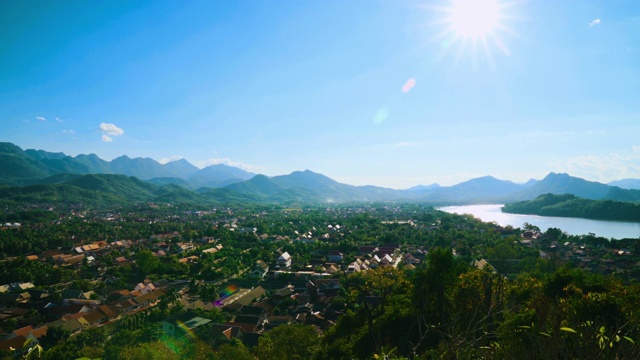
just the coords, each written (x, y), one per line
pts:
(218, 175)
(36, 175)
(142, 168)
(29, 166)
(424, 187)
(260, 185)
(100, 190)
(565, 184)
(20, 168)
(308, 186)
(629, 184)
(182, 167)
(483, 189)
(329, 190)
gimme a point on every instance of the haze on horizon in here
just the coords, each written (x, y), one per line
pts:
(391, 94)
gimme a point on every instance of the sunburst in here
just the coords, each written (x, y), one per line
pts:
(474, 24)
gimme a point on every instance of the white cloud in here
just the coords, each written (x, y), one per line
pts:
(111, 129)
(170, 159)
(603, 168)
(68, 131)
(41, 118)
(595, 22)
(229, 162)
(58, 119)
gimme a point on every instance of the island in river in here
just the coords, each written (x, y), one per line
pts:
(572, 206)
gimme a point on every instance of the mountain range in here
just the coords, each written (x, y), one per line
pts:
(30, 166)
(40, 176)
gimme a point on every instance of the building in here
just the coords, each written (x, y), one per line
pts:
(183, 324)
(260, 269)
(284, 260)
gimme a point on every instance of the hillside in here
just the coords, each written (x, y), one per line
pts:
(27, 167)
(38, 167)
(572, 206)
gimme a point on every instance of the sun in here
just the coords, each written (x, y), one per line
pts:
(474, 19)
(473, 26)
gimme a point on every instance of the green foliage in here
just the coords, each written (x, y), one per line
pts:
(288, 342)
(571, 206)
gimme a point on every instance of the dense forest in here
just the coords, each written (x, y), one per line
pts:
(571, 206)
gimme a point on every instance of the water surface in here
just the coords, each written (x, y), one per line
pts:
(572, 226)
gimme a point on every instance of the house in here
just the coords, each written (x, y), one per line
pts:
(410, 259)
(126, 306)
(245, 298)
(18, 287)
(225, 333)
(14, 298)
(330, 269)
(38, 333)
(23, 331)
(185, 247)
(189, 259)
(95, 317)
(145, 288)
(260, 269)
(76, 294)
(183, 324)
(275, 321)
(354, 267)
(207, 240)
(367, 250)
(249, 322)
(327, 286)
(15, 344)
(119, 295)
(481, 264)
(335, 256)
(284, 293)
(72, 325)
(109, 311)
(148, 299)
(284, 260)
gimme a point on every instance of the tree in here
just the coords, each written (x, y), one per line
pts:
(154, 350)
(208, 293)
(288, 342)
(147, 262)
(234, 351)
(530, 227)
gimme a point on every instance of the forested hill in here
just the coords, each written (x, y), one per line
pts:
(572, 206)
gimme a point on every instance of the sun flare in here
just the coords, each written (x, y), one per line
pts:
(474, 18)
(473, 26)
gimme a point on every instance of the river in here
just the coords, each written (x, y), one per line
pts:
(572, 226)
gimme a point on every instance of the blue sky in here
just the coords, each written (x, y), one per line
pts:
(366, 92)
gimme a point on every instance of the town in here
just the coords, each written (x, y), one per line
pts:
(76, 278)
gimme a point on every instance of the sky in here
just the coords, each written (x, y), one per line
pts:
(387, 93)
